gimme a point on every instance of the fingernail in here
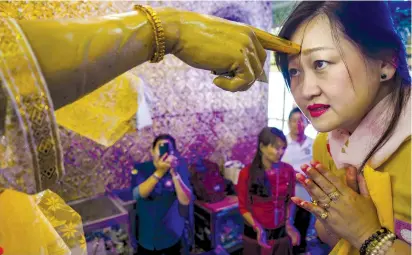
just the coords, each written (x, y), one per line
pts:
(304, 167)
(301, 178)
(314, 163)
(296, 200)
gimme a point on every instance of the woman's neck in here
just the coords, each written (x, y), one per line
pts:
(299, 138)
(382, 93)
(267, 164)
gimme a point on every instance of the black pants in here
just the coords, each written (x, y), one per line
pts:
(277, 239)
(173, 250)
(302, 221)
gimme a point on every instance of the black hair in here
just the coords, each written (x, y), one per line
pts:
(258, 183)
(294, 110)
(164, 137)
(369, 25)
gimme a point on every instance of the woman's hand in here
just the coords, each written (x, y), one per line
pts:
(222, 46)
(163, 164)
(293, 234)
(261, 237)
(350, 215)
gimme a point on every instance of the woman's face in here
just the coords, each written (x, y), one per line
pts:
(156, 150)
(273, 152)
(297, 123)
(333, 94)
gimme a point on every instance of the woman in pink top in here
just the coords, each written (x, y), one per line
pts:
(264, 190)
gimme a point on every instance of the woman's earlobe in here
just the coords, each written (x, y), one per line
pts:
(388, 70)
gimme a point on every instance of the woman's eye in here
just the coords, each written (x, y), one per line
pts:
(293, 72)
(320, 64)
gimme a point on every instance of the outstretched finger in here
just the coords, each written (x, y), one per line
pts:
(275, 43)
(258, 49)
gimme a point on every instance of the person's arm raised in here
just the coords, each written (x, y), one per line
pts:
(79, 55)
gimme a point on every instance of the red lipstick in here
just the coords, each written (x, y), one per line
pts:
(316, 110)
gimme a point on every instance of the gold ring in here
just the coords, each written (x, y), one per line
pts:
(324, 215)
(325, 205)
(334, 196)
(315, 202)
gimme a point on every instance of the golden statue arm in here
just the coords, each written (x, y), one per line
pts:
(79, 55)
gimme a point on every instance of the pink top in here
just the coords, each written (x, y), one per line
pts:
(270, 212)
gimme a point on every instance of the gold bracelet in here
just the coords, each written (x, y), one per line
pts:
(158, 30)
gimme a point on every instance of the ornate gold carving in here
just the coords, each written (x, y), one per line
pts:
(27, 90)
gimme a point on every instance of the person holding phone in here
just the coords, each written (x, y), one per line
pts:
(163, 193)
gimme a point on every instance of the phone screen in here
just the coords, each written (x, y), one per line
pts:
(163, 149)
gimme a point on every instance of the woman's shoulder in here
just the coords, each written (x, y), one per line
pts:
(288, 167)
(398, 166)
(400, 160)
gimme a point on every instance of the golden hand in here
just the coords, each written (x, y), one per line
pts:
(216, 44)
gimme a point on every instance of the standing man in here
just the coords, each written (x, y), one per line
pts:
(299, 152)
(163, 194)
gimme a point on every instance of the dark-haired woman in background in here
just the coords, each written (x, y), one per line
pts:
(352, 81)
(264, 190)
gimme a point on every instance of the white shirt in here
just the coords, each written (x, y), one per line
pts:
(297, 155)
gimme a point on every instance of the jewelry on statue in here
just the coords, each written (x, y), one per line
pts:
(334, 196)
(314, 202)
(158, 31)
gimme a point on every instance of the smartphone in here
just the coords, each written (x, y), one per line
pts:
(164, 148)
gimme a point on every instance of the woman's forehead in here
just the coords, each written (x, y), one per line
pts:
(314, 34)
(277, 142)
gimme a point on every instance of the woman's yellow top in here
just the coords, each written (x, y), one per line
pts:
(389, 186)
